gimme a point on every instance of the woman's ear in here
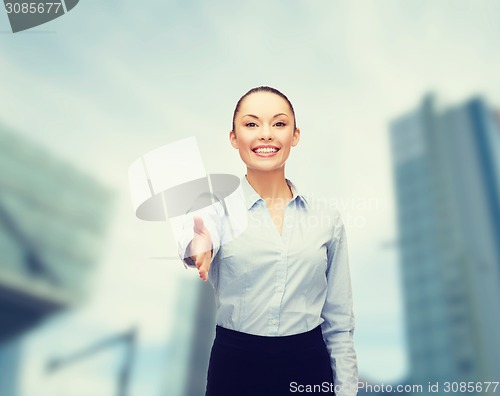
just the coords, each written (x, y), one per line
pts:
(233, 139)
(296, 137)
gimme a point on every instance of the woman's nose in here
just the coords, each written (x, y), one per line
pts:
(266, 133)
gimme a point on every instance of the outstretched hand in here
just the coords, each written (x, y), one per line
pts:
(200, 248)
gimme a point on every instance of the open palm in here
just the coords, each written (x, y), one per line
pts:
(200, 248)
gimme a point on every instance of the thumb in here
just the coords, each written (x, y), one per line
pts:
(198, 225)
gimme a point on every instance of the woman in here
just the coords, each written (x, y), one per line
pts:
(283, 292)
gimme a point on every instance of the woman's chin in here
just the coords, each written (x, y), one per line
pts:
(265, 167)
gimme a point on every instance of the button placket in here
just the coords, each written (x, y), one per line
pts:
(281, 271)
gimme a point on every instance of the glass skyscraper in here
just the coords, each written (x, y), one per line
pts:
(447, 183)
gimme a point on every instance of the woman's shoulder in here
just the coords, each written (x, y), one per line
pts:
(325, 210)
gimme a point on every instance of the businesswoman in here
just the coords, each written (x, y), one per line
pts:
(283, 292)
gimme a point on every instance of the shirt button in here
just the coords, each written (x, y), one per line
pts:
(278, 289)
(274, 321)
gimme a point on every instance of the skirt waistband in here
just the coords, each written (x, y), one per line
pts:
(252, 342)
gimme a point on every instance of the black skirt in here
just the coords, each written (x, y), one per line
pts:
(245, 364)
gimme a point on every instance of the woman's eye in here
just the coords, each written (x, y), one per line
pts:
(280, 124)
(250, 124)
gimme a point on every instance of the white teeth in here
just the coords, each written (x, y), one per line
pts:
(266, 150)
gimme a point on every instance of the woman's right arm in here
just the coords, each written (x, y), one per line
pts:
(200, 249)
(201, 238)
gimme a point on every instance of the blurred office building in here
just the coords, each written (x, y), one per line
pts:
(447, 182)
(192, 338)
(52, 222)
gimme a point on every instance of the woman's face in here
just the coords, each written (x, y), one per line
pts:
(264, 131)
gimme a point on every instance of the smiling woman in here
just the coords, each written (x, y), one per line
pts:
(282, 287)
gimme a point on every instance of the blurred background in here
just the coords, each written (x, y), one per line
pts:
(398, 107)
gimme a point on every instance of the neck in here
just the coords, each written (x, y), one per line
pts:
(270, 185)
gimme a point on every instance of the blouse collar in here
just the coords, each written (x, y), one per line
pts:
(251, 196)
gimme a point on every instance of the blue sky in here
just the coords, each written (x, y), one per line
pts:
(112, 80)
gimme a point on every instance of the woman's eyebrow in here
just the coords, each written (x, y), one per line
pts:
(254, 116)
(280, 114)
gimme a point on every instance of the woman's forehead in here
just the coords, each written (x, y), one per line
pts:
(264, 102)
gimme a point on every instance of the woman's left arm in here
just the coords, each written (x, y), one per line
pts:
(338, 325)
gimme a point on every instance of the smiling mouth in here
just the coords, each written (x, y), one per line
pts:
(267, 150)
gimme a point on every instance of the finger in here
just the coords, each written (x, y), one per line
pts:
(203, 274)
(201, 260)
(203, 269)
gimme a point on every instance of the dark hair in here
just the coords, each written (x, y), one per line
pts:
(264, 89)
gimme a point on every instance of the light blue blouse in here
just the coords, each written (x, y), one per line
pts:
(274, 285)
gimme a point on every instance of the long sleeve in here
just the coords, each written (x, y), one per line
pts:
(212, 218)
(338, 325)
